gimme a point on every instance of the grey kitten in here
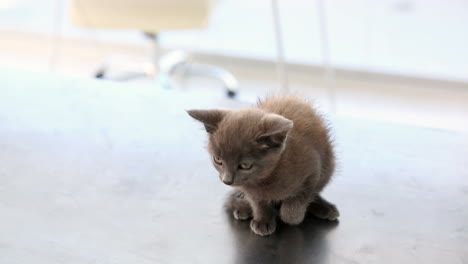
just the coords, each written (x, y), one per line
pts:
(275, 155)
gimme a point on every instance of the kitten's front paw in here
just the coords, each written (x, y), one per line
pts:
(242, 214)
(263, 228)
(239, 206)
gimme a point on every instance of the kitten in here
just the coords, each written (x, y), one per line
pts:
(278, 156)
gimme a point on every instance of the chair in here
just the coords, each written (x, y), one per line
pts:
(152, 17)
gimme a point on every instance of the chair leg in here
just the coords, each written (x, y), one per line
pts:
(122, 68)
(228, 80)
(168, 64)
(180, 61)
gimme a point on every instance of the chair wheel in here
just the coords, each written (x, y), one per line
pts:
(231, 94)
(99, 74)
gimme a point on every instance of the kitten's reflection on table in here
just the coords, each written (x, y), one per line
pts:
(305, 243)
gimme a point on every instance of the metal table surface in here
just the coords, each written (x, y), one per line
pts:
(99, 172)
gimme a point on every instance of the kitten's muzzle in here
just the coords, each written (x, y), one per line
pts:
(227, 178)
(228, 182)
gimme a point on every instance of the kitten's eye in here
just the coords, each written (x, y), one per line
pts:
(245, 166)
(218, 160)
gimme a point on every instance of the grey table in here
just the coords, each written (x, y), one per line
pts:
(98, 172)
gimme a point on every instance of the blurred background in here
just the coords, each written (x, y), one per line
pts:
(403, 61)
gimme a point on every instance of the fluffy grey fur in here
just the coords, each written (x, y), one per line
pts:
(278, 156)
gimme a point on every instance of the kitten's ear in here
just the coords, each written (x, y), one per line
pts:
(275, 130)
(209, 118)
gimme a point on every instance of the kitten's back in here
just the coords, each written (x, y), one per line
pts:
(309, 129)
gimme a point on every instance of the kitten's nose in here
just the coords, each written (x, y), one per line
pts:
(227, 179)
(228, 182)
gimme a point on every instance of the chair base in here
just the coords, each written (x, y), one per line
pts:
(164, 70)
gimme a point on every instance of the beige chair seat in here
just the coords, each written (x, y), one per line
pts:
(144, 15)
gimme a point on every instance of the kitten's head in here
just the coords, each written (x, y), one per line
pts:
(245, 145)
